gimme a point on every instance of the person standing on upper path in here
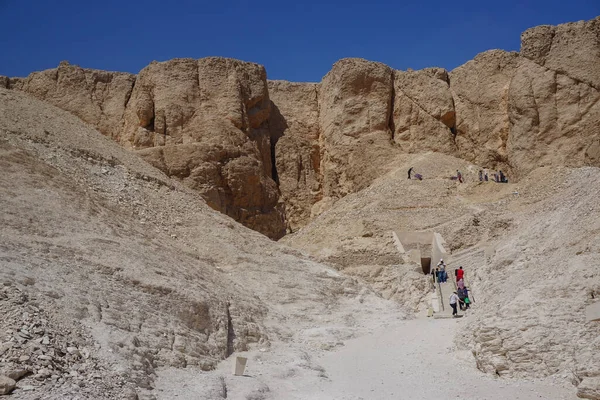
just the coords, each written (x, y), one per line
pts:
(485, 176)
(453, 302)
(410, 170)
(502, 177)
(459, 176)
(460, 274)
(480, 176)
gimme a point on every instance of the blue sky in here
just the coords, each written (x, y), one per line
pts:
(296, 41)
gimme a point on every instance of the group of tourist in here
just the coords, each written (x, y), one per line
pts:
(459, 298)
(497, 177)
(483, 176)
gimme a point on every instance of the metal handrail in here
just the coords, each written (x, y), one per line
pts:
(441, 297)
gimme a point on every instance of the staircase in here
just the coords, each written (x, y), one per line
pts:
(470, 259)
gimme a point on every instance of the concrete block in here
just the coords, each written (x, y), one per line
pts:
(592, 312)
(239, 366)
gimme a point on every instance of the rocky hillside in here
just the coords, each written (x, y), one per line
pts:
(533, 264)
(111, 270)
(273, 154)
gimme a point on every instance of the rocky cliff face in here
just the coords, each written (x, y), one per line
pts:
(206, 123)
(355, 112)
(295, 134)
(271, 155)
(97, 97)
(201, 121)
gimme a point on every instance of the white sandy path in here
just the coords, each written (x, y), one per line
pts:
(414, 359)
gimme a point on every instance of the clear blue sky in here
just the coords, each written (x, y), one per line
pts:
(297, 41)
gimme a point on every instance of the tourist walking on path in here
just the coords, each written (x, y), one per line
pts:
(485, 176)
(460, 274)
(443, 274)
(453, 302)
(459, 176)
(480, 176)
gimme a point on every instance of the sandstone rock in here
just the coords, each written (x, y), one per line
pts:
(294, 125)
(571, 49)
(3, 82)
(480, 90)
(589, 388)
(212, 124)
(16, 374)
(7, 385)
(553, 119)
(97, 97)
(423, 116)
(205, 123)
(355, 103)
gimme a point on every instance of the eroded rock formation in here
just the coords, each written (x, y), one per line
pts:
(273, 155)
(202, 121)
(294, 125)
(206, 123)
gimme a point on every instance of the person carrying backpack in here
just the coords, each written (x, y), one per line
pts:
(453, 302)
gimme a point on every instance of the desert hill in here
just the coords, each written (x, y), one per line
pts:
(125, 274)
(271, 154)
(105, 254)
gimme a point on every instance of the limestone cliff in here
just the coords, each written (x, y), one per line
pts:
(202, 121)
(295, 135)
(206, 122)
(273, 155)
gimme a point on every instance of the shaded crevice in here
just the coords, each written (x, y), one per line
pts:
(230, 333)
(223, 388)
(129, 93)
(274, 174)
(276, 126)
(391, 124)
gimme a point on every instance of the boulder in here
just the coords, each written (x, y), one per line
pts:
(7, 385)
(589, 388)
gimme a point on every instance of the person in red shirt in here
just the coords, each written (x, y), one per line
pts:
(460, 274)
